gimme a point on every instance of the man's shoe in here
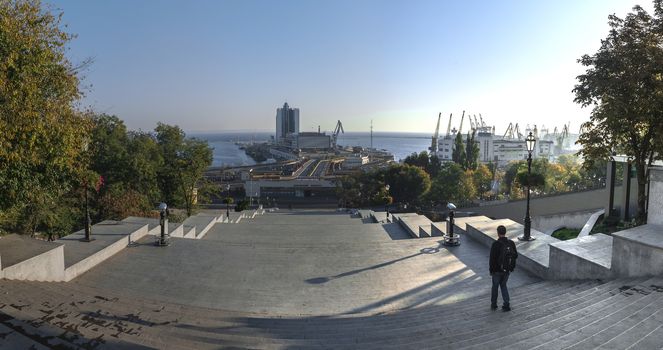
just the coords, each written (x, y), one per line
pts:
(506, 308)
(493, 307)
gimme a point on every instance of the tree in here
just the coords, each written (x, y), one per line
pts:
(407, 183)
(420, 160)
(184, 163)
(41, 134)
(471, 152)
(452, 184)
(623, 83)
(429, 162)
(482, 178)
(458, 154)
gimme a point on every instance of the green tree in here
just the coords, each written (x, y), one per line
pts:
(471, 152)
(407, 183)
(623, 83)
(458, 154)
(41, 134)
(184, 163)
(420, 160)
(482, 178)
(430, 163)
(128, 163)
(452, 184)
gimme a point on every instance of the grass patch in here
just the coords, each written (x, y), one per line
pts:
(566, 233)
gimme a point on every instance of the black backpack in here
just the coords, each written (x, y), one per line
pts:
(507, 257)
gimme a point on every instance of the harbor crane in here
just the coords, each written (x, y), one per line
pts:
(449, 126)
(434, 144)
(512, 132)
(460, 128)
(339, 128)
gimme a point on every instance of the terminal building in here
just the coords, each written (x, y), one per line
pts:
(495, 149)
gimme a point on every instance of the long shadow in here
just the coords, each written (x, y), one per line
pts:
(320, 280)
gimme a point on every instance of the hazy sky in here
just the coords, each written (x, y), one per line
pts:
(227, 65)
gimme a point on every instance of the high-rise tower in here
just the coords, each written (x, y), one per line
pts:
(287, 122)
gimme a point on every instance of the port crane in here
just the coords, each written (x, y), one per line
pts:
(460, 128)
(449, 126)
(513, 132)
(339, 128)
(433, 145)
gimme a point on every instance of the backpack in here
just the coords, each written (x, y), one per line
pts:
(507, 257)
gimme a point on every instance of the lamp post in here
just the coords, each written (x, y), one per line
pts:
(530, 141)
(450, 238)
(251, 187)
(228, 202)
(386, 201)
(88, 221)
(163, 216)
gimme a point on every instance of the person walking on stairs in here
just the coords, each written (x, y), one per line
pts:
(503, 255)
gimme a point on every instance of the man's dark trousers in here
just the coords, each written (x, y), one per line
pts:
(500, 279)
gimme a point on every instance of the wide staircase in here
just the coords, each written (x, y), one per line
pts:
(243, 286)
(618, 314)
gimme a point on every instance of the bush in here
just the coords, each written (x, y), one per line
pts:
(242, 205)
(566, 233)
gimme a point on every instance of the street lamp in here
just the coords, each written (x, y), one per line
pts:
(228, 202)
(163, 216)
(530, 141)
(386, 201)
(251, 187)
(450, 238)
(88, 221)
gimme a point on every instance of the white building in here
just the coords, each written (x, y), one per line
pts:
(354, 162)
(495, 149)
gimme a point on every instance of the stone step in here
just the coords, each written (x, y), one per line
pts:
(453, 330)
(129, 321)
(503, 336)
(296, 331)
(651, 341)
(11, 339)
(53, 337)
(637, 332)
(87, 329)
(601, 327)
(470, 325)
(293, 332)
(605, 331)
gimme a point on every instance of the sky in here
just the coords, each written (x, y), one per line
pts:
(211, 66)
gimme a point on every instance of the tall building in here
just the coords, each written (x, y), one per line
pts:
(287, 122)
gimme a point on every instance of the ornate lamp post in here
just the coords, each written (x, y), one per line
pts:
(530, 142)
(228, 202)
(251, 187)
(450, 238)
(88, 221)
(163, 215)
(386, 201)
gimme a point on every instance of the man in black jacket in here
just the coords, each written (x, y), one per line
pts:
(503, 252)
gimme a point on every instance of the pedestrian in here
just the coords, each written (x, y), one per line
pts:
(503, 255)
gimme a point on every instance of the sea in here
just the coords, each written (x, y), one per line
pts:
(227, 150)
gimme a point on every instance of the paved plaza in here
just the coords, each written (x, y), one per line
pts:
(301, 263)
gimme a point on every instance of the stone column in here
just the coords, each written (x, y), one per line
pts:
(610, 184)
(626, 192)
(655, 206)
